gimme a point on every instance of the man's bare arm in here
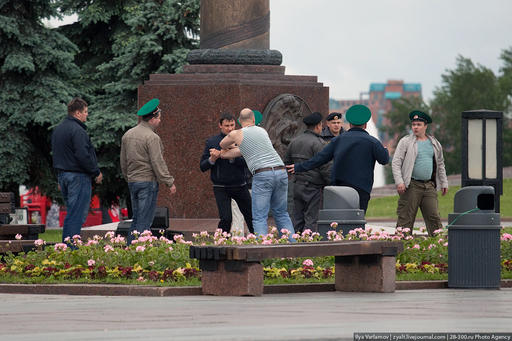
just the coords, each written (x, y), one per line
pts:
(230, 153)
(230, 140)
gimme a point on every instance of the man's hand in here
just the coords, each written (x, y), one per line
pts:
(291, 168)
(400, 188)
(99, 178)
(173, 189)
(444, 191)
(214, 154)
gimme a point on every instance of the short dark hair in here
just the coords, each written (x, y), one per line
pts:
(149, 116)
(76, 104)
(226, 116)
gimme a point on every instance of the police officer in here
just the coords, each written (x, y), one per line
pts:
(307, 187)
(333, 127)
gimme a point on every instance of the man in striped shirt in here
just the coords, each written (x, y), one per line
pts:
(270, 179)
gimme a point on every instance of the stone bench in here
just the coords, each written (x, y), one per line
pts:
(27, 231)
(236, 270)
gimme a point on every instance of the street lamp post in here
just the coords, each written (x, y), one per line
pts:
(482, 149)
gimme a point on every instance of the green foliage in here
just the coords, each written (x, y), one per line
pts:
(102, 58)
(37, 78)
(467, 87)
(121, 43)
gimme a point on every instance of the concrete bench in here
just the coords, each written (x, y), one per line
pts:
(236, 270)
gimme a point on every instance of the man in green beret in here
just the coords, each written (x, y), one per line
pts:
(418, 169)
(143, 166)
(354, 154)
(307, 186)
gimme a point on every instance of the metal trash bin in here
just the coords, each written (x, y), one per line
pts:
(474, 240)
(340, 205)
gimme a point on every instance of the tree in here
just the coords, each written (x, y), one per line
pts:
(467, 87)
(506, 85)
(37, 79)
(398, 117)
(121, 43)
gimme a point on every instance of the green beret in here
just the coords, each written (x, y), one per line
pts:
(417, 115)
(257, 117)
(333, 116)
(312, 119)
(149, 107)
(358, 114)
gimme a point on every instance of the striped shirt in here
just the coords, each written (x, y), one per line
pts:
(257, 149)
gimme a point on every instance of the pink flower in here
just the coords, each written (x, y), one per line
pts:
(60, 247)
(331, 234)
(108, 248)
(110, 234)
(18, 236)
(334, 225)
(445, 244)
(506, 237)
(285, 231)
(406, 230)
(307, 262)
(91, 262)
(416, 246)
(141, 279)
(39, 242)
(91, 242)
(295, 236)
(140, 248)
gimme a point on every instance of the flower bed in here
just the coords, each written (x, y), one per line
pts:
(161, 261)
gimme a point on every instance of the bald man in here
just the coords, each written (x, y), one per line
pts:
(270, 179)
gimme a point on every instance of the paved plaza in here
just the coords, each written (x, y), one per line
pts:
(306, 316)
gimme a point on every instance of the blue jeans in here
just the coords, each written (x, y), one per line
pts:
(270, 191)
(143, 195)
(76, 190)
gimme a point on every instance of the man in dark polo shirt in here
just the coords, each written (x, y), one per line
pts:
(228, 177)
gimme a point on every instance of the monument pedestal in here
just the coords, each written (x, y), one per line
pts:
(192, 103)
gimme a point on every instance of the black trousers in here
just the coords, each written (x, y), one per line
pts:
(364, 197)
(307, 199)
(241, 195)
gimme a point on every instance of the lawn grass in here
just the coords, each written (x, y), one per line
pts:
(386, 207)
(52, 236)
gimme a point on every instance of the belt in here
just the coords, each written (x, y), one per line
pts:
(422, 181)
(268, 168)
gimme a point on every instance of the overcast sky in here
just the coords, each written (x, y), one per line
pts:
(350, 44)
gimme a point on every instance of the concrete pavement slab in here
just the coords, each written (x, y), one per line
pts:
(306, 316)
